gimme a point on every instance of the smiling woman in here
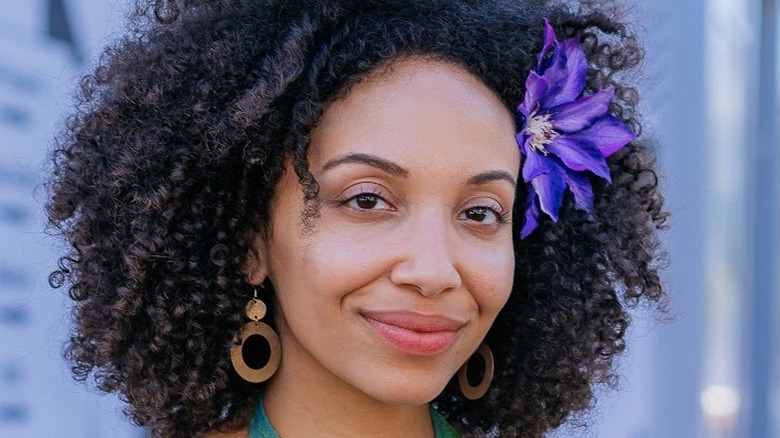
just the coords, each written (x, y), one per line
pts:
(411, 256)
(360, 180)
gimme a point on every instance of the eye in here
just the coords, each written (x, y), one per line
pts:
(367, 201)
(483, 215)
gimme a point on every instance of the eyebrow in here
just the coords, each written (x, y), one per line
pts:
(396, 170)
(369, 160)
(493, 175)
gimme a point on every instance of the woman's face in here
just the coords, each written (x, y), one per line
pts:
(400, 278)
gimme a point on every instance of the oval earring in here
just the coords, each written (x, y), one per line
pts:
(476, 392)
(256, 310)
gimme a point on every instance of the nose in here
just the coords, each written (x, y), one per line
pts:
(428, 261)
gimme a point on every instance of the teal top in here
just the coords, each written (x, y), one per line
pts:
(260, 427)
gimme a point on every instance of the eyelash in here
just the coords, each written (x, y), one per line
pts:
(502, 217)
(366, 193)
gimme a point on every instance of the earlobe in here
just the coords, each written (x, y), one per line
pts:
(255, 267)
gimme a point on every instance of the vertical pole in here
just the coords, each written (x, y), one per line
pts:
(764, 217)
(59, 26)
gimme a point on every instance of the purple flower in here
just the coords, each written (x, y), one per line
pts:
(563, 134)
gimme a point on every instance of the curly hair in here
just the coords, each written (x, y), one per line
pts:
(165, 171)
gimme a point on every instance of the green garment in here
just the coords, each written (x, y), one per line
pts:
(260, 427)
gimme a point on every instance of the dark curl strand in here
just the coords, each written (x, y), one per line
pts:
(165, 172)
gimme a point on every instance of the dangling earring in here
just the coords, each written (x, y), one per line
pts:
(475, 392)
(256, 310)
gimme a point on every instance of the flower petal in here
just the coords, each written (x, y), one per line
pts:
(580, 154)
(567, 73)
(549, 42)
(536, 164)
(577, 64)
(583, 112)
(555, 73)
(535, 88)
(579, 184)
(532, 214)
(550, 188)
(609, 134)
(521, 140)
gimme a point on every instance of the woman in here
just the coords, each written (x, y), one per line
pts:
(303, 218)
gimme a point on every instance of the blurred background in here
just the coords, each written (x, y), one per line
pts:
(711, 103)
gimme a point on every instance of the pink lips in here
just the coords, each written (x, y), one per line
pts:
(413, 333)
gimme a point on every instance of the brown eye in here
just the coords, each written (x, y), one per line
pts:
(477, 214)
(484, 215)
(366, 201)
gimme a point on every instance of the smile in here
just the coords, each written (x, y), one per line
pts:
(412, 333)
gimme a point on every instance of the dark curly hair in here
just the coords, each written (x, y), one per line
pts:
(164, 174)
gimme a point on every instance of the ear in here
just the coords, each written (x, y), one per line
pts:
(256, 268)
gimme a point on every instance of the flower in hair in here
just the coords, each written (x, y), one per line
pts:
(564, 137)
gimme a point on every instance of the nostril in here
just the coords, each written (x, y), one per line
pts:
(429, 277)
(427, 261)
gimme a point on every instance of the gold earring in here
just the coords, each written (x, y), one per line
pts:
(475, 392)
(256, 310)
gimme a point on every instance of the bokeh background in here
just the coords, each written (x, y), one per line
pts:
(711, 102)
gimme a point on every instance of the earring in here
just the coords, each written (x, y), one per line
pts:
(475, 392)
(256, 310)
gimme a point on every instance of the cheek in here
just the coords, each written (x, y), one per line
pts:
(327, 264)
(491, 281)
(345, 261)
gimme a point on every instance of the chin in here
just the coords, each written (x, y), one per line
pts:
(407, 391)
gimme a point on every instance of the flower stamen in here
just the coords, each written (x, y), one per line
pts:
(541, 130)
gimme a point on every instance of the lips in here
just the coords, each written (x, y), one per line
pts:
(413, 333)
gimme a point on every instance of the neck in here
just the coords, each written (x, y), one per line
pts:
(305, 399)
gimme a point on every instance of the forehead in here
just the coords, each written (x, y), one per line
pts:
(418, 106)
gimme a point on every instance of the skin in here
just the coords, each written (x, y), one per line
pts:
(417, 167)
